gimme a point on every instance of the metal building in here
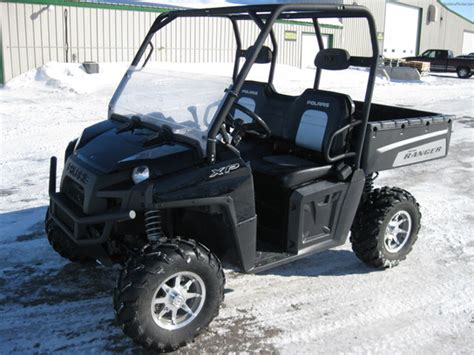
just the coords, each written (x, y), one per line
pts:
(409, 27)
(34, 32)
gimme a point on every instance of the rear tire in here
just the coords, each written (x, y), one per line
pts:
(166, 296)
(385, 227)
(62, 244)
(463, 73)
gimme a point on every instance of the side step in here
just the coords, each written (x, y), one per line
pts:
(268, 259)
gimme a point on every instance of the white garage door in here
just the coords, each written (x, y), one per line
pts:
(310, 49)
(401, 31)
(468, 43)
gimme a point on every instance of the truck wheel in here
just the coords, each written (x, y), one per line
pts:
(167, 295)
(385, 227)
(463, 73)
(61, 243)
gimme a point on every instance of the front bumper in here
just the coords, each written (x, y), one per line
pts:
(82, 229)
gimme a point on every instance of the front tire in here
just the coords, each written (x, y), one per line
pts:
(385, 227)
(166, 296)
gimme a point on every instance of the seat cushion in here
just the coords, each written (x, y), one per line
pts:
(289, 170)
(301, 176)
(287, 160)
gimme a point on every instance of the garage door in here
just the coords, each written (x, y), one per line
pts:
(468, 43)
(310, 49)
(402, 26)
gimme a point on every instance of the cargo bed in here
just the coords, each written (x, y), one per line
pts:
(398, 136)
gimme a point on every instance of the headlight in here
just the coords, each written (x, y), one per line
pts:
(140, 173)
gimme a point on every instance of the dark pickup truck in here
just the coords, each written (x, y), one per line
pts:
(442, 60)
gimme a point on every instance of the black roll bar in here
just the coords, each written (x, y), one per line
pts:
(261, 25)
(238, 42)
(318, 11)
(268, 15)
(319, 38)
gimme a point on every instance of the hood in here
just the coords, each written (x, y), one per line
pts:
(102, 148)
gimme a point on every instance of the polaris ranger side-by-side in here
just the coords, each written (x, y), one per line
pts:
(189, 169)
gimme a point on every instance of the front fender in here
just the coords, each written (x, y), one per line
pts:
(244, 233)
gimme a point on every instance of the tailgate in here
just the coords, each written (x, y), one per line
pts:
(400, 142)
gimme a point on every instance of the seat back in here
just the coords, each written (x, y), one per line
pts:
(262, 99)
(254, 96)
(315, 116)
(308, 120)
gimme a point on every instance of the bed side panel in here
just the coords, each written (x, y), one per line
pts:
(396, 143)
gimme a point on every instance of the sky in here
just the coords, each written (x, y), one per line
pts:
(462, 7)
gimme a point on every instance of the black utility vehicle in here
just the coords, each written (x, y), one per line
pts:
(443, 60)
(245, 173)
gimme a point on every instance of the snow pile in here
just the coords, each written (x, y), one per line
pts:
(72, 78)
(69, 77)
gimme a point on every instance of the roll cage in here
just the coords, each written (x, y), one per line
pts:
(265, 16)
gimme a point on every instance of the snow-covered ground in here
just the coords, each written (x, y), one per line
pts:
(327, 303)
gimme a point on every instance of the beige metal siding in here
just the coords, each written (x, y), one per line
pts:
(110, 35)
(356, 37)
(446, 33)
(290, 51)
(33, 36)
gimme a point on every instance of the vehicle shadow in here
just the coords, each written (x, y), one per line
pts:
(327, 263)
(33, 273)
(444, 76)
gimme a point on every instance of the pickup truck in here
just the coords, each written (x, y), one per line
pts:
(442, 60)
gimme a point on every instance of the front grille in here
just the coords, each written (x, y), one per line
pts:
(73, 191)
(63, 217)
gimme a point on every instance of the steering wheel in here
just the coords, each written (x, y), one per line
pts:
(257, 127)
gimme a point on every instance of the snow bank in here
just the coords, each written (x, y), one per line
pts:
(68, 77)
(72, 78)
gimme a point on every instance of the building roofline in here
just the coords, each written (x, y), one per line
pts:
(95, 5)
(454, 12)
(141, 7)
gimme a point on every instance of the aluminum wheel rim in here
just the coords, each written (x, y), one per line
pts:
(397, 232)
(178, 300)
(463, 72)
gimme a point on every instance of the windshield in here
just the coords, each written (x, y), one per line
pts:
(185, 102)
(177, 95)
